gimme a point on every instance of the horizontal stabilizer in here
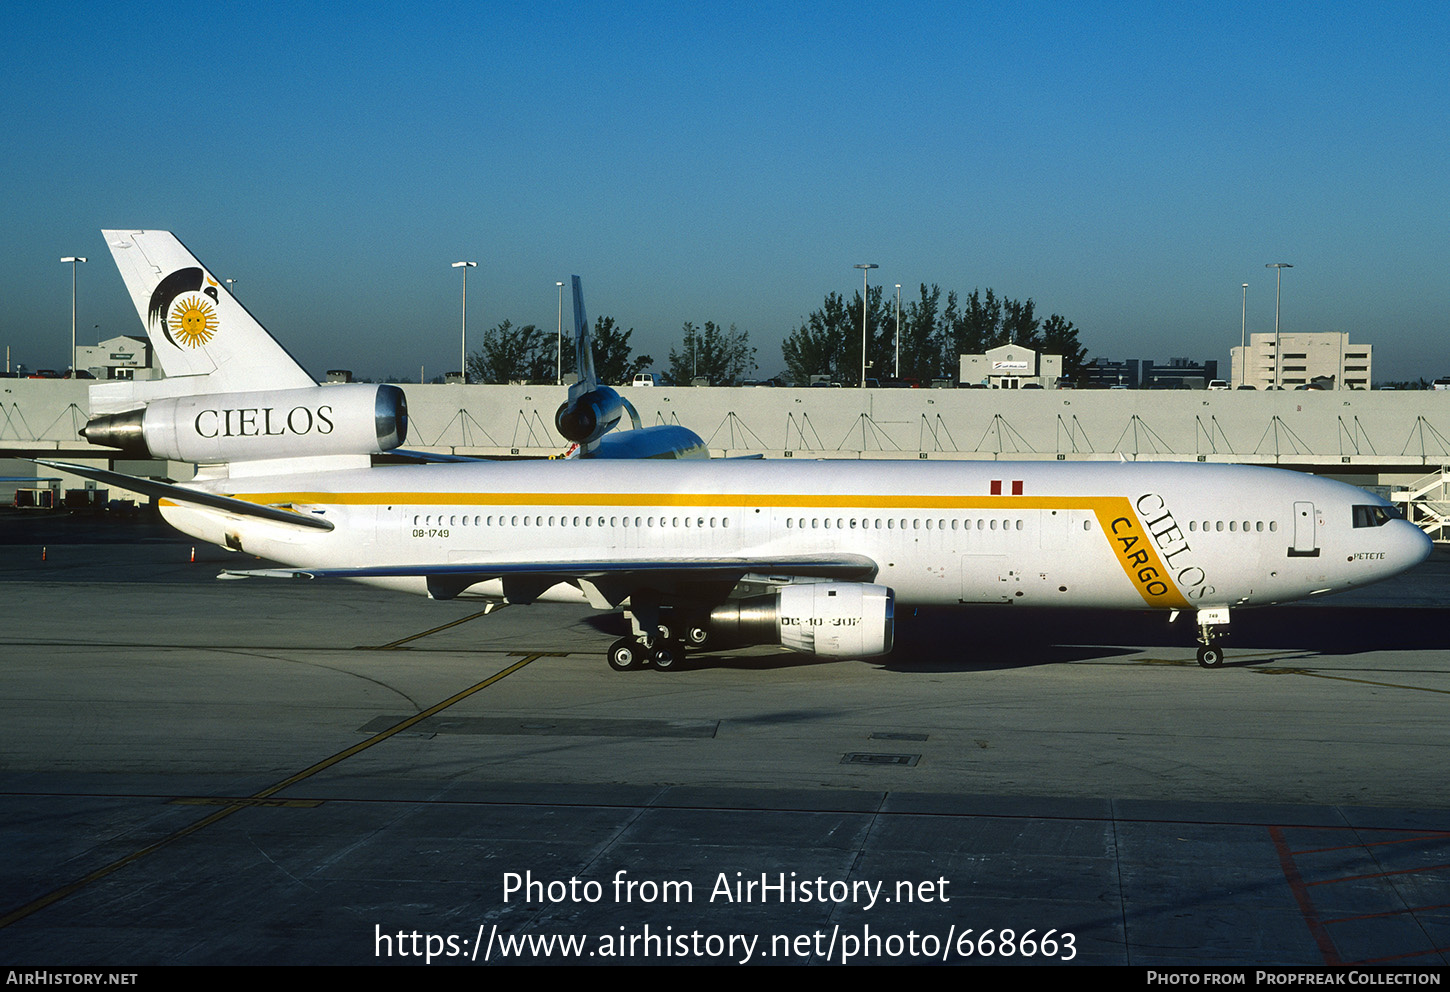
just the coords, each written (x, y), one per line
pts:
(429, 457)
(180, 494)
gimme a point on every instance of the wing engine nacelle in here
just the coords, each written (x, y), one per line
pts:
(347, 419)
(829, 619)
(588, 417)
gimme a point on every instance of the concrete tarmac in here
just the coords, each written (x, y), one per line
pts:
(196, 771)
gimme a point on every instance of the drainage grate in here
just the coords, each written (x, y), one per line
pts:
(867, 758)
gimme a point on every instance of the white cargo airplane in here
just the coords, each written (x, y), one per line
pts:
(816, 556)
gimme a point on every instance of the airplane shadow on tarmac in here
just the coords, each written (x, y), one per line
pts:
(994, 638)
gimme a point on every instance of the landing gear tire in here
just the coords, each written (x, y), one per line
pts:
(1210, 656)
(626, 654)
(667, 656)
(697, 637)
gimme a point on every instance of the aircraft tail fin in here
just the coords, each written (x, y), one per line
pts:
(593, 410)
(583, 346)
(197, 328)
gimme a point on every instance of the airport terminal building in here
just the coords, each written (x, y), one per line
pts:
(1297, 359)
(1011, 366)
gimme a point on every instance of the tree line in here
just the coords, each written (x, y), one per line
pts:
(531, 354)
(828, 343)
(933, 335)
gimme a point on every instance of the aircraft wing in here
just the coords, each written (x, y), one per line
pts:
(607, 582)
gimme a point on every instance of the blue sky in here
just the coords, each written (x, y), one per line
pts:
(1128, 165)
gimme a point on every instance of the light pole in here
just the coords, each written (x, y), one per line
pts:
(73, 260)
(463, 348)
(1244, 339)
(1278, 268)
(231, 286)
(559, 341)
(865, 268)
(896, 372)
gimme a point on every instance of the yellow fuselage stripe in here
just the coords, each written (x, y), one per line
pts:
(1131, 544)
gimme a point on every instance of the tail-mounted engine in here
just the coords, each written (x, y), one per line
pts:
(210, 428)
(829, 619)
(588, 417)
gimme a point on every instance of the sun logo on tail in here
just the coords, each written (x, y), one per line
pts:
(194, 319)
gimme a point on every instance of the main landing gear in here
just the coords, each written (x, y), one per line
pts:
(664, 654)
(653, 643)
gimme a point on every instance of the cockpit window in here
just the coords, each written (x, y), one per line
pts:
(1373, 516)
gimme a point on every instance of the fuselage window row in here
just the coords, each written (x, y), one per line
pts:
(1233, 526)
(702, 523)
(914, 524)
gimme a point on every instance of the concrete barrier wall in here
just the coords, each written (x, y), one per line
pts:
(1403, 434)
(1363, 431)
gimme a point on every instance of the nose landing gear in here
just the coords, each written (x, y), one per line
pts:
(1212, 625)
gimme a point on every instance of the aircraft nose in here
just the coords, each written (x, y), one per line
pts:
(1410, 545)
